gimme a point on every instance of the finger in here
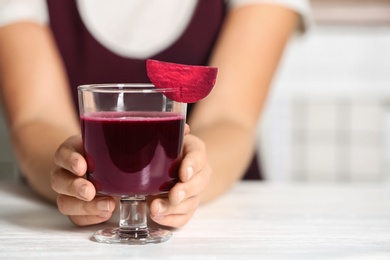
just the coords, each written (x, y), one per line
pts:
(71, 206)
(184, 190)
(175, 221)
(194, 160)
(186, 129)
(87, 220)
(174, 216)
(65, 183)
(69, 156)
(162, 206)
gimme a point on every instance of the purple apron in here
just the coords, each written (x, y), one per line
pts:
(88, 62)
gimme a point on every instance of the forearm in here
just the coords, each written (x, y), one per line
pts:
(35, 144)
(247, 54)
(229, 149)
(36, 99)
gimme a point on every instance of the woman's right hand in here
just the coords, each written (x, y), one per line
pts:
(76, 195)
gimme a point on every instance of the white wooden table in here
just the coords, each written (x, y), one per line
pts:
(255, 220)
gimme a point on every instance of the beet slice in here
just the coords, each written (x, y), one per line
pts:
(190, 83)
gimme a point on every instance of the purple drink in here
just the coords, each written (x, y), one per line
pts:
(132, 153)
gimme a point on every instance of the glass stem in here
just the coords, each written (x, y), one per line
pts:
(133, 216)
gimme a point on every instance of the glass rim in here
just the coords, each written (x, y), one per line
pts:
(122, 88)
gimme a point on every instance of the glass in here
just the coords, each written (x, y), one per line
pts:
(132, 138)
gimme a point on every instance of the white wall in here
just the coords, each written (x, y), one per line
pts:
(326, 116)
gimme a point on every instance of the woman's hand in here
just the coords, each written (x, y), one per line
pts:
(76, 195)
(183, 199)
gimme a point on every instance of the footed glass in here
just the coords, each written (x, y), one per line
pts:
(132, 138)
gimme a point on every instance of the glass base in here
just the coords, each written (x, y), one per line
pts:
(132, 237)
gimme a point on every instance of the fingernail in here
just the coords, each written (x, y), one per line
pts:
(190, 172)
(74, 165)
(103, 205)
(83, 191)
(182, 195)
(162, 207)
(157, 217)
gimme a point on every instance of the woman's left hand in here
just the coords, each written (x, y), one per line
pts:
(183, 199)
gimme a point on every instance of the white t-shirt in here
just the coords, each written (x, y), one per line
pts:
(137, 28)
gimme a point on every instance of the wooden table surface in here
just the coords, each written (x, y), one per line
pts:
(255, 220)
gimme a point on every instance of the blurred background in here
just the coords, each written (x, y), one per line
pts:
(328, 114)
